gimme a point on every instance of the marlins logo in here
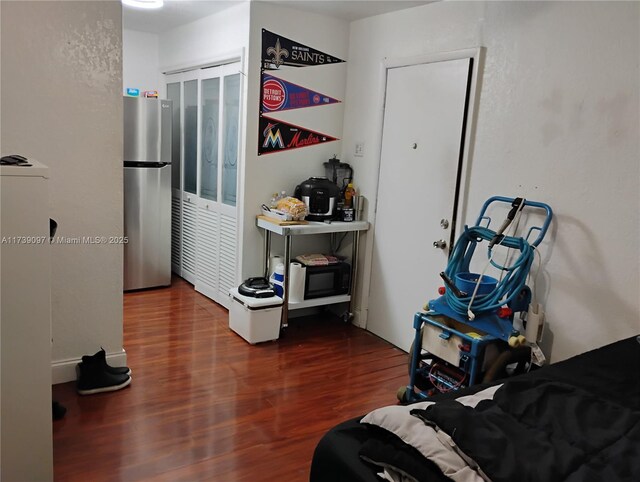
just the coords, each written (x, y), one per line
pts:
(271, 139)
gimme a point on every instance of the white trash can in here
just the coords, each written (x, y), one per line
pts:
(255, 319)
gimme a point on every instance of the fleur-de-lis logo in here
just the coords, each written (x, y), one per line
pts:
(278, 53)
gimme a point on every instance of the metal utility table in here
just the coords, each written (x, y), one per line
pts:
(288, 232)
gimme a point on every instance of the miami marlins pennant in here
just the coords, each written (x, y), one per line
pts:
(278, 50)
(278, 94)
(277, 136)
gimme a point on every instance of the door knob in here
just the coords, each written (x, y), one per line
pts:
(440, 244)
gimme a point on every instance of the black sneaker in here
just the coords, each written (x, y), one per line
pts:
(57, 410)
(94, 378)
(101, 358)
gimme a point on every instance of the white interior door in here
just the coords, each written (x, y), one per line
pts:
(421, 145)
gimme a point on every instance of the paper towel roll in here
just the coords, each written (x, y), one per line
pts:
(297, 274)
(273, 262)
(535, 323)
(277, 279)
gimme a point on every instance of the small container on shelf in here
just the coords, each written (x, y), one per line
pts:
(348, 211)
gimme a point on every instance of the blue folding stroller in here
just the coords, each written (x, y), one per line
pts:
(467, 335)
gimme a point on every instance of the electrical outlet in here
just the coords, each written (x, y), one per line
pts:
(359, 150)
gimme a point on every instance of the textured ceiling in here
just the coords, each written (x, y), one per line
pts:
(180, 12)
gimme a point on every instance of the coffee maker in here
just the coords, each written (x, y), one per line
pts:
(339, 172)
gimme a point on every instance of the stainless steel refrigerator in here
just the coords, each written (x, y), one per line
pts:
(147, 192)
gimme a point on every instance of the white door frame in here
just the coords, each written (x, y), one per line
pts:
(477, 54)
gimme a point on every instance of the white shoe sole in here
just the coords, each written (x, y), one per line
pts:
(111, 388)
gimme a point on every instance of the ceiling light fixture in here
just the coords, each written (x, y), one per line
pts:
(148, 4)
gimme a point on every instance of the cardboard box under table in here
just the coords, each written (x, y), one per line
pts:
(255, 319)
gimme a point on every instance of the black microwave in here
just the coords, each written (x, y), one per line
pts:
(330, 280)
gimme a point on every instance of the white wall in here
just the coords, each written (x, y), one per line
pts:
(217, 36)
(141, 61)
(61, 104)
(557, 122)
(269, 173)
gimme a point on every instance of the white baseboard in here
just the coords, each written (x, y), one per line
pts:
(360, 318)
(63, 371)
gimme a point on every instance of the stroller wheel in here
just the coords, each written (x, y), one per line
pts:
(402, 394)
(498, 369)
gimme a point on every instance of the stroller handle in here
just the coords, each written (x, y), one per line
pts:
(533, 204)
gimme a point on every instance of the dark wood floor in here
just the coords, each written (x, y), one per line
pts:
(205, 405)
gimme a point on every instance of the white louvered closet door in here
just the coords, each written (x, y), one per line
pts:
(205, 143)
(217, 238)
(174, 94)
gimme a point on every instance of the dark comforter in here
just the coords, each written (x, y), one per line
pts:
(541, 430)
(577, 420)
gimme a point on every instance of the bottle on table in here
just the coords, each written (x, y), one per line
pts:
(274, 201)
(349, 193)
(347, 211)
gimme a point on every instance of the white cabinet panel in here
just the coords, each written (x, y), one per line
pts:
(26, 449)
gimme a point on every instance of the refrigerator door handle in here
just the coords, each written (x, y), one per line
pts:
(146, 165)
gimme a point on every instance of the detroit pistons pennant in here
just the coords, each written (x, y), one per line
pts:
(278, 136)
(278, 50)
(278, 94)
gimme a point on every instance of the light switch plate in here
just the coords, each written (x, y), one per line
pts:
(359, 150)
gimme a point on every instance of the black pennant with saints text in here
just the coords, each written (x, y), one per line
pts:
(278, 50)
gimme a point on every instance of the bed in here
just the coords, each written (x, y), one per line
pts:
(575, 420)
